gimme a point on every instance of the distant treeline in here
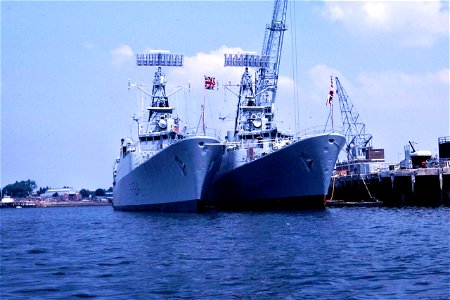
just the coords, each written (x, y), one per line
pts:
(98, 192)
(25, 188)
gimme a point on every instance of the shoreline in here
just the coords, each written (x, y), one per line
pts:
(24, 203)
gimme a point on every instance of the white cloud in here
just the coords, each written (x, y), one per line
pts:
(320, 75)
(88, 45)
(334, 13)
(395, 90)
(402, 106)
(122, 54)
(376, 13)
(413, 23)
(285, 82)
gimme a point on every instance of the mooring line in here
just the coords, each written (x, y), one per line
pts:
(362, 178)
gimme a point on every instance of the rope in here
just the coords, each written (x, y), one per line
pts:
(294, 58)
(332, 190)
(362, 178)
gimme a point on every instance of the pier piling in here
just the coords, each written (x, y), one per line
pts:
(424, 187)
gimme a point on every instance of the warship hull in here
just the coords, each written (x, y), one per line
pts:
(172, 180)
(295, 176)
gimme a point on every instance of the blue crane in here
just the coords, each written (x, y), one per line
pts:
(358, 140)
(267, 77)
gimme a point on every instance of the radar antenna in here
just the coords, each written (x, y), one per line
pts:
(159, 109)
(159, 98)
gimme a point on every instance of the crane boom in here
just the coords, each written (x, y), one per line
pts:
(267, 76)
(358, 141)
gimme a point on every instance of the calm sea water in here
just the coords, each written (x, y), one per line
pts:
(337, 253)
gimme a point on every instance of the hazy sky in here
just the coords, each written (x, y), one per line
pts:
(65, 67)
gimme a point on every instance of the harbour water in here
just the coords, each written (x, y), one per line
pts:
(336, 253)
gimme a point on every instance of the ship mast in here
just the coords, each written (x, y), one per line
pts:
(255, 109)
(159, 109)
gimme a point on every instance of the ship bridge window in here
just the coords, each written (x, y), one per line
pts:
(148, 138)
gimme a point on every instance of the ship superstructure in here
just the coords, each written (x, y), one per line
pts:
(165, 168)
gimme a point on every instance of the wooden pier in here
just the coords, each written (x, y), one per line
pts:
(423, 187)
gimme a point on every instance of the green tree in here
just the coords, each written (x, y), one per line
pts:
(42, 190)
(100, 192)
(85, 193)
(19, 189)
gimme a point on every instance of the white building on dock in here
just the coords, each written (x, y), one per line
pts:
(66, 193)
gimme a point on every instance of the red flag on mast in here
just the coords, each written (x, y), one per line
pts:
(330, 94)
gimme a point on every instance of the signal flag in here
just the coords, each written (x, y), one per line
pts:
(330, 94)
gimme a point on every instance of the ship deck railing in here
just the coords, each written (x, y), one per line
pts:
(316, 130)
(180, 134)
(200, 132)
(276, 143)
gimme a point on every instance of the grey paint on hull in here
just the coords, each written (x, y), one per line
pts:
(171, 180)
(298, 174)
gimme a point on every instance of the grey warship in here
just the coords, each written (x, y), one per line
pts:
(165, 169)
(262, 167)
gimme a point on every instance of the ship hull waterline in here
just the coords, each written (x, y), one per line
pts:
(294, 177)
(173, 180)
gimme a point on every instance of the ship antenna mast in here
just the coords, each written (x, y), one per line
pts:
(268, 64)
(159, 105)
(358, 141)
(158, 59)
